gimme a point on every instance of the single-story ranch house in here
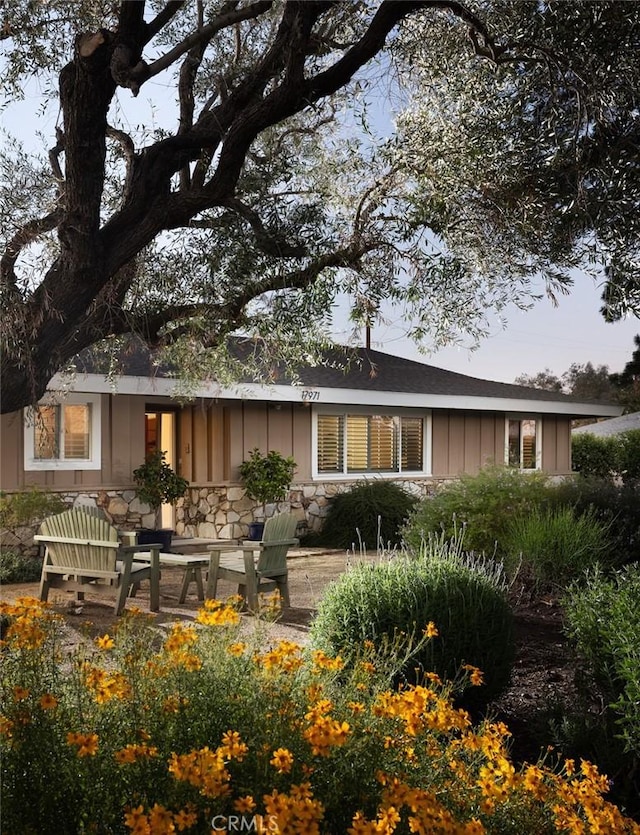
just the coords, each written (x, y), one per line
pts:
(387, 417)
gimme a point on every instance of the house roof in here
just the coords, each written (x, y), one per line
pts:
(615, 426)
(372, 378)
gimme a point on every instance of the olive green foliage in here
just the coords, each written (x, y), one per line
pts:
(28, 507)
(370, 515)
(16, 568)
(551, 547)
(157, 483)
(615, 505)
(266, 478)
(603, 619)
(616, 455)
(594, 456)
(465, 597)
(482, 503)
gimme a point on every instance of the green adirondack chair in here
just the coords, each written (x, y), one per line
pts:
(83, 554)
(255, 566)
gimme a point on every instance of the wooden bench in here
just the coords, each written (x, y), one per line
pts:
(83, 553)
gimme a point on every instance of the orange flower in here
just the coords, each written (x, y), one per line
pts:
(105, 642)
(430, 630)
(48, 702)
(282, 760)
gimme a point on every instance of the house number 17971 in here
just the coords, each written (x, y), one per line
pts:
(307, 394)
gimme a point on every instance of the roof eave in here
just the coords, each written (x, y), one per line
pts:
(168, 387)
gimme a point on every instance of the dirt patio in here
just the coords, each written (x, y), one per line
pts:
(310, 570)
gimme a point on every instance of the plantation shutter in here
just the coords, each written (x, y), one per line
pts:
(330, 443)
(357, 442)
(528, 444)
(77, 420)
(411, 452)
(382, 443)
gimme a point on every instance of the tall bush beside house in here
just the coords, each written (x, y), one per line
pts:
(370, 515)
(630, 455)
(483, 504)
(464, 597)
(596, 457)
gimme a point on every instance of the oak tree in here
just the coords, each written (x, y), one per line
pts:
(256, 188)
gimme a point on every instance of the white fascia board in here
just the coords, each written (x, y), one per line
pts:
(165, 386)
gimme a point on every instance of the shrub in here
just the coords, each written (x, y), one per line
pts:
(132, 736)
(28, 507)
(15, 568)
(465, 598)
(603, 618)
(616, 455)
(594, 456)
(615, 506)
(630, 455)
(369, 515)
(554, 546)
(482, 503)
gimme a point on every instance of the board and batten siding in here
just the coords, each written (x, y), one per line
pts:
(466, 442)
(122, 450)
(215, 437)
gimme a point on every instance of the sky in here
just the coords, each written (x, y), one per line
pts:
(533, 340)
(544, 337)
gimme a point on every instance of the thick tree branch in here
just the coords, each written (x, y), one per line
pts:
(143, 72)
(162, 18)
(31, 231)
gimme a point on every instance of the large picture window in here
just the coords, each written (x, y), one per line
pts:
(369, 443)
(523, 443)
(64, 435)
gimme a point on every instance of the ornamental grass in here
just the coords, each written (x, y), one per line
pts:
(198, 729)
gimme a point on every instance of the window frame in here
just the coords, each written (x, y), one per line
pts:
(93, 462)
(520, 417)
(384, 411)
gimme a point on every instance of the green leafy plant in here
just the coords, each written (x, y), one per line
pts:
(464, 597)
(16, 568)
(266, 478)
(552, 547)
(369, 515)
(28, 507)
(616, 506)
(482, 503)
(594, 456)
(603, 618)
(157, 483)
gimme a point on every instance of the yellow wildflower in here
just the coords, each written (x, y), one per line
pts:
(87, 743)
(244, 804)
(282, 760)
(21, 693)
(430, 630)
(48, 701)
(105, 642)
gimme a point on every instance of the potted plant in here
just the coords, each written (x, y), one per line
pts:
(266, 478)
(157, 484)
